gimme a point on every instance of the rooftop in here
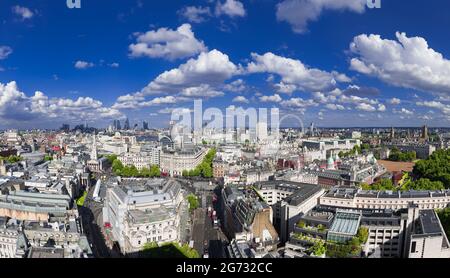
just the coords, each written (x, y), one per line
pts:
(346, 223)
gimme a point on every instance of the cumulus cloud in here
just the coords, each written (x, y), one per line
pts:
(298, 13)
(240, 99)
(114, 65)
(294, 74)
(16, 106)
(83, 65)
(199, 77)
(332, 106)
(23, 12)
(195, 14)
(231, 8)
(136, 102)
(395, 101)
(407, 62)
(5, 51)
(365, 107)
(444, 108)
(236, 86)
(203, 90)
(274, 98)
(211, 68)
(298, 103)
(403, 111)
(167, 43)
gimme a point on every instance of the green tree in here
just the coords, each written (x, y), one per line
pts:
(117, 167)
(318, 249)
(145, 172)
(111, 158)
(444, 216)
(425, 184)
(363, 234)
(155, 171)
(48, 158)
(435, 168)
(193, 202)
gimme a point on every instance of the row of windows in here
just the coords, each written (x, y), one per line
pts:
(377, 201)
(154, 239)
(5, 246)
(160, 225)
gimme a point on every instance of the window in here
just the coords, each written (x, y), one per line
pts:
(413, 247)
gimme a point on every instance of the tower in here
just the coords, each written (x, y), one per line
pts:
(425, 132)
(94, 155)
(126, 125)
(2, 168)
(392, 133)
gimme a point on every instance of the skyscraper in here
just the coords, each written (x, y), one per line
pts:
(117, 125)
(126, 125)
(145, 125)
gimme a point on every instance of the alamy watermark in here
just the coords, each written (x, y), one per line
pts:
(374, 4)
(236, 125)
(73, 4)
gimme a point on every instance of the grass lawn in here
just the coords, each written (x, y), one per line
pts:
(170, 250)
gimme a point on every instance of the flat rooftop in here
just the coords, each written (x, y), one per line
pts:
(429, 222)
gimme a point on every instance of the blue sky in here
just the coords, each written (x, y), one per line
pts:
(334, 62)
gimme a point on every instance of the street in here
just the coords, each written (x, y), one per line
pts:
(91, 215)
(207, 239)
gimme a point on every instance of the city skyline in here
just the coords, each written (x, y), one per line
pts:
(339, 65)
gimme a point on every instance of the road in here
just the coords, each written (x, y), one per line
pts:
(91, 215)
(207, 239)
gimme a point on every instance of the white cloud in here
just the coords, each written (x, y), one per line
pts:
(395, 101)
(136, 102)
(356, 100)
(403, 111)
(203, 90)
(274, 98)
(293, 73)
(436, 105)
(407, 62)
(333, 106)
(5, 51)
(179, 111)
(114, 65)
(240, 99)
(16, 106)
(195, 14)
(298, 13)
(168, 44)
(322, 98)
(341, 77)
(298, 103)
(365, 107)
(285, 88)
(23, 12)
(381, 108)
(196, 78)
(211, 68)
(231, 8)
(83, 65)
(236, 86)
